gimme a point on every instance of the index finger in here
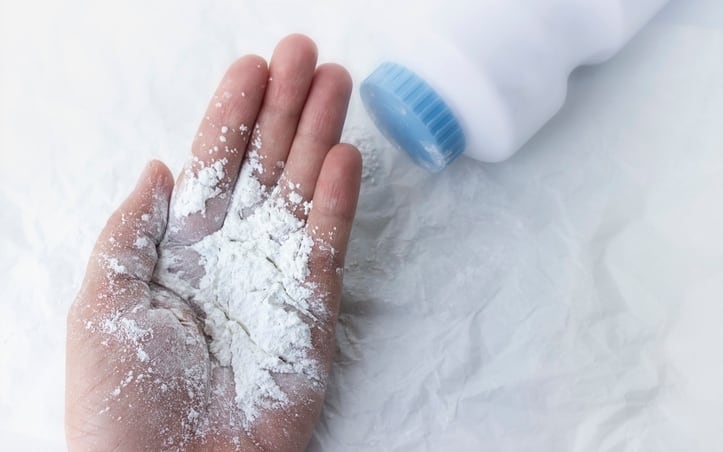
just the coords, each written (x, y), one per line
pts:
(203, 190)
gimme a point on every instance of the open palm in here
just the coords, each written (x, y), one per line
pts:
(140, 374)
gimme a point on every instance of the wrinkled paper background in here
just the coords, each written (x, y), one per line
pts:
(569, 299)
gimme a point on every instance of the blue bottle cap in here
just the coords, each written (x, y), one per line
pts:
(412, 116)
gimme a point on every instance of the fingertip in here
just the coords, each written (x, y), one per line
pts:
(246, 64)
(300, 43)
(294, 60)
(156, 177)
(346, 158)
(160, 172)
(338, 73)
(353, 156)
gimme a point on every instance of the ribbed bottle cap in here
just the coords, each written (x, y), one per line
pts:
(412, 116)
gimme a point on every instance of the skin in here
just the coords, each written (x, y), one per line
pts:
(300, 109)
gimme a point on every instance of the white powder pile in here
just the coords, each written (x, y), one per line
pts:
(249, 283)
(200, 188)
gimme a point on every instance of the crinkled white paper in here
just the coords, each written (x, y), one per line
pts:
(569, 299)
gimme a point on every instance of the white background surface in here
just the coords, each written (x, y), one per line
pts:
(570, 299)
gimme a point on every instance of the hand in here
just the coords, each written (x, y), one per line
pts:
(139, 372)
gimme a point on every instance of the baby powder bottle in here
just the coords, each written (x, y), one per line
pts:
(480, 77)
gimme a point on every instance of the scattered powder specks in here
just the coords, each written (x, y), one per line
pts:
(142, 355)
(256, 141)
(141, 242)
(114, 265)
(295, 198)
(368, 143)
(198, 188)
(128, 328)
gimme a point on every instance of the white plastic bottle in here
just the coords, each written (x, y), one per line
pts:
(480, 77)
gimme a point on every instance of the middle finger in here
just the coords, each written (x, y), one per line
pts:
(290, 73)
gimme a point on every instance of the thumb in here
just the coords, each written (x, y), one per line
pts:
(125, 255)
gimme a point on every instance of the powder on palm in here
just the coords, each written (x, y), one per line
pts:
(252, 290)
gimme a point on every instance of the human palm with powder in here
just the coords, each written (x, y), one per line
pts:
(206, 317)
